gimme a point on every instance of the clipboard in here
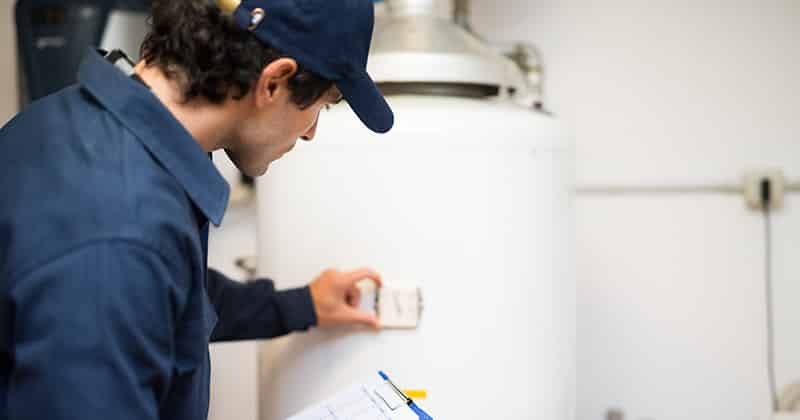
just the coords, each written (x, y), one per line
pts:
(378, 398)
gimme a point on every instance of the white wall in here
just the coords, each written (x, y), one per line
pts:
(671, 322)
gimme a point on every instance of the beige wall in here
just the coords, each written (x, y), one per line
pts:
(8, 61)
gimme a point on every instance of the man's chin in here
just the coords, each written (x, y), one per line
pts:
(259, 172)
(250, 167)
(254, 171)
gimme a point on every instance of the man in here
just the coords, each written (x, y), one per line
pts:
(106, 304)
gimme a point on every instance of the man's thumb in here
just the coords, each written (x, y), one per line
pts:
(364, 318)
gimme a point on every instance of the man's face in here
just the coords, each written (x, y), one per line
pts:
(271, 127)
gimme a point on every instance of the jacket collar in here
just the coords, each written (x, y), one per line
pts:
(153, 124)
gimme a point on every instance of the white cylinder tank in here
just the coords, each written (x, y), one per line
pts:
(469, 199)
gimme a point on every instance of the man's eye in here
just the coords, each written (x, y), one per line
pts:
(336, 101)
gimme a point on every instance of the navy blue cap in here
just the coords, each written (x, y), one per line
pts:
(328, 37)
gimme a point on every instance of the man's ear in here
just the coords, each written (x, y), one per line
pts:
(274, 77)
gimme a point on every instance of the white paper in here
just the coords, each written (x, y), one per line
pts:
(359, 402)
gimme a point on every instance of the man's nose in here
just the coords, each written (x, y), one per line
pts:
(309, 135)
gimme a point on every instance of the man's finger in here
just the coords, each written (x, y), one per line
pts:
(354, 297)
(364, 274)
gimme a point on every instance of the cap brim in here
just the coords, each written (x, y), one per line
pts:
(367, 102)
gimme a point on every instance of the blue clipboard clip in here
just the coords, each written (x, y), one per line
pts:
(411, 404)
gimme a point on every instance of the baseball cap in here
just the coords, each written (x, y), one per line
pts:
(328, 37)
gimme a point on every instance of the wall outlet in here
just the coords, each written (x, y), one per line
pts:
(754, 184)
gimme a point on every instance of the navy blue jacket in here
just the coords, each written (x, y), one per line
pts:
(106, 303)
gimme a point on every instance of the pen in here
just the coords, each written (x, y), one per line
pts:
(413, 406)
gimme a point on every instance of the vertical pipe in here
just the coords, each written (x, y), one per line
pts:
(462, 13)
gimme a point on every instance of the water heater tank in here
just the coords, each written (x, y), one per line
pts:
(469, 200)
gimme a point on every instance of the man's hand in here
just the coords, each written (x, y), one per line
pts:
(336, 298)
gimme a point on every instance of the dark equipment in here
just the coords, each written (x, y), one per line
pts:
(54, 35)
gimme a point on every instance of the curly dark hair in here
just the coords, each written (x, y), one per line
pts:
(194, 43)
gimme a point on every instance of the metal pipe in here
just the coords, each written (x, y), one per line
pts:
(659, 189)
(791, 187)
(412, 7)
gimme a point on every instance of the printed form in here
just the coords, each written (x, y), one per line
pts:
(373, 400)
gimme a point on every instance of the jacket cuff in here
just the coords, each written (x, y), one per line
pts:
(297, 309)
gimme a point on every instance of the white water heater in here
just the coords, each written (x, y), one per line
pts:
(467, 199)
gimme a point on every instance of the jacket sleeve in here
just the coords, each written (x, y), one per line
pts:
(94, 335)
(255, 310)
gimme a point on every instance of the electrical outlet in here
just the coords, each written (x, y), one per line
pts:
(756, 181)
